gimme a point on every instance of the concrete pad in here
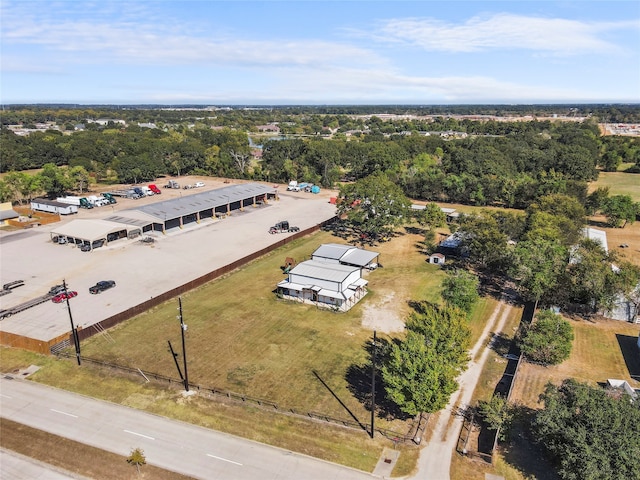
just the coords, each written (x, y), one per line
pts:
(140, 270)
(385, 464)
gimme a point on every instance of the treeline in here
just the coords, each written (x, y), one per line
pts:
(509, 164)
(16, 114)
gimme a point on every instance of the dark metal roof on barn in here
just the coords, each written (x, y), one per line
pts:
(192, 204)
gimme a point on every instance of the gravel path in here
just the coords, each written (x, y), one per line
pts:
(435, 459)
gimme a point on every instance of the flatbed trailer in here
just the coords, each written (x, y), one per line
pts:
(24, 306)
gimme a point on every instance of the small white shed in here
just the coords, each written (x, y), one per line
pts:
(437, 258)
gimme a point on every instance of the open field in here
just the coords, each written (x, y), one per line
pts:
(601, 349)
(242, 338)
(619, 183)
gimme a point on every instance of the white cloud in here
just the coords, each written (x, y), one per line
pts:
(506, 32)
(83, 41)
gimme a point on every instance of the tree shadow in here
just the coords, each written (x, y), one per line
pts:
(522, 453)
(414, 230)
(631, 354)
(358, 379)
(501, 344)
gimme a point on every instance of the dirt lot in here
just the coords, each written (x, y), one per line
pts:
(140, 270)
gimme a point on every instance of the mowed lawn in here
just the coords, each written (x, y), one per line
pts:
(242, 338)
(602, 349)
(619, 183)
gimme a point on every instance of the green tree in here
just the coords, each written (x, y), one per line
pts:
(596, 199)
(564, 213)
(137, 458)
(548, 339)
(620, 210)
(373, 206)
(420, 371)
(80, 178)
(589, 433)
(54, 180)
(589, 278)
(537, 266)
(484, 239)
(431, 216)
(460, 289)
(497, 414)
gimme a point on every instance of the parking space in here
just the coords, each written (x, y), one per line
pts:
(141, 269)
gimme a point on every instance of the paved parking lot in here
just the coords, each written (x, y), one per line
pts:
(141, 271)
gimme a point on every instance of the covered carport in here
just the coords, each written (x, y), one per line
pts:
(178, 212)
(94, 233)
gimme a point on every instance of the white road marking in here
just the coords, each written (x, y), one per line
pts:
(63, 413)
(223, 459)
(139, 434)
(5, 396)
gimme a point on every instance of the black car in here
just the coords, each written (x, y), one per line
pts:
(102, 286)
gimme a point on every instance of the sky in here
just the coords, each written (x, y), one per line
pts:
(328, 52)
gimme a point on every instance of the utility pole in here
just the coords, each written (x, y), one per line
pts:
(175, 359)
(183, 328)
(373, 384)
(74, 332)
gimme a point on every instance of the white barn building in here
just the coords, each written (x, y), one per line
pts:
(324, 284)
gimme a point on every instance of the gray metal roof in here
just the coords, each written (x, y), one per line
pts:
(332, 272)
(90, 229)
(334, 251)
(132, 217)
(359, 257)
(346, 254)
(7, 214)
(191, 204)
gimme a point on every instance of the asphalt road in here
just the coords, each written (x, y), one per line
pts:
(14, 466)
(172, 445)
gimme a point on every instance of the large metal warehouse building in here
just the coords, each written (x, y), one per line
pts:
(166, 215)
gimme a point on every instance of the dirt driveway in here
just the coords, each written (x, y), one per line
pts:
(141, 271)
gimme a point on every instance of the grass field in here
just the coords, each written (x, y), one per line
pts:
(602, 349)
(242, 338)
(619, 183)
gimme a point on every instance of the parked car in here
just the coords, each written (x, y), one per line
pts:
(56, 289)
(61, 297)
(101, 286)
(198, 184)
(85, 247)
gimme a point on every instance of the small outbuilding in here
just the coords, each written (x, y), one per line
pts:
(7, 213)
(52, 206)
(437, 258)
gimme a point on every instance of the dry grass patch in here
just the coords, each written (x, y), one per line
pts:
(596, 356)
(242, 338)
